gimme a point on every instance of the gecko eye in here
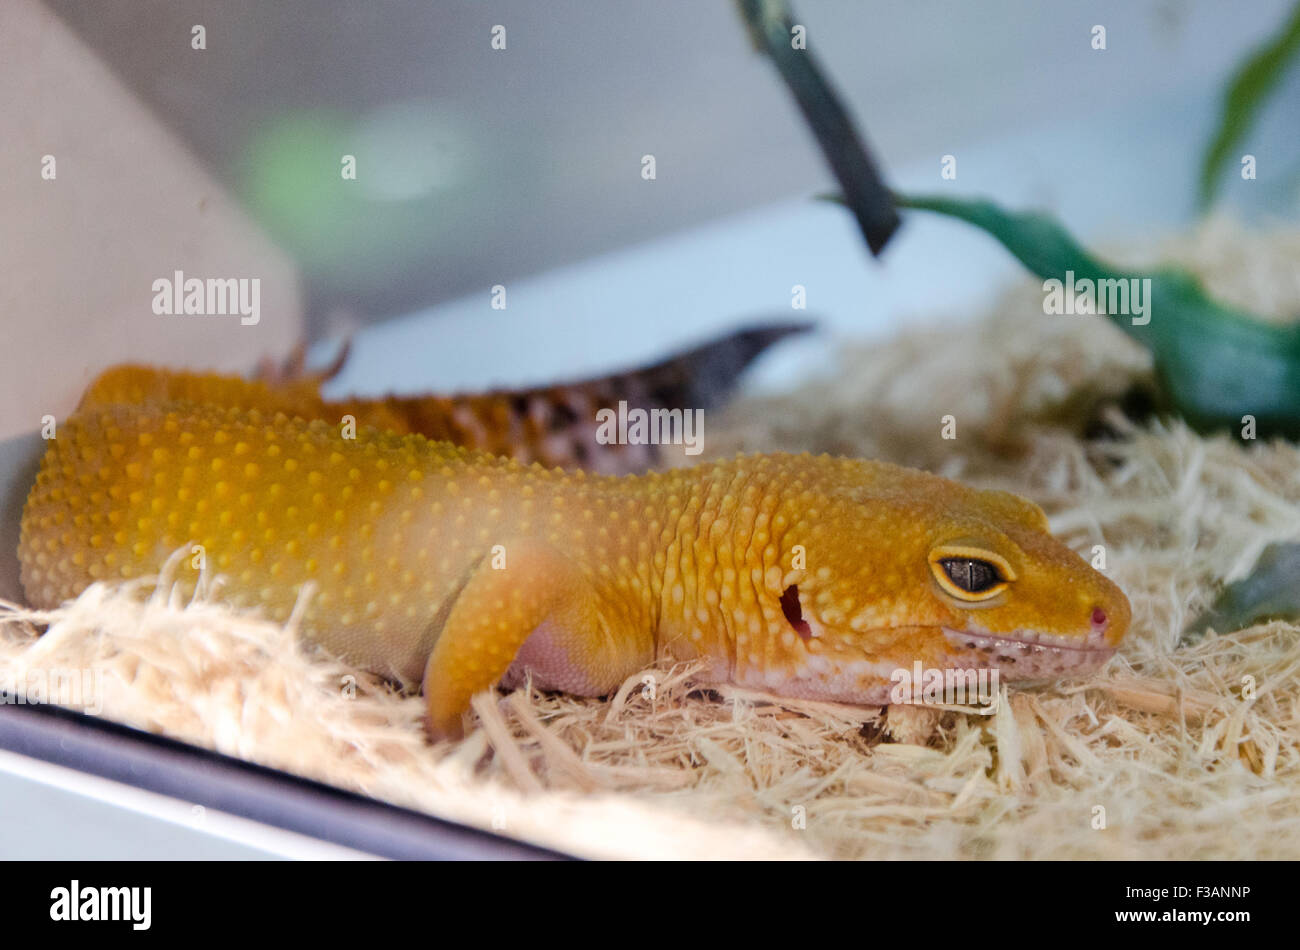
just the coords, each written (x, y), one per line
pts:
(970, 575)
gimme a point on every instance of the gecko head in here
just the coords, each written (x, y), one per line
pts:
(889, 567)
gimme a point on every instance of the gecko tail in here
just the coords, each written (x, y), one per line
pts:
(558, 425)
(705, 376)
(561, 424)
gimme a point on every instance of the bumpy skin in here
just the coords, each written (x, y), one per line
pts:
(433, 561)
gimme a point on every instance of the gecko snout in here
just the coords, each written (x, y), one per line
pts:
(1108, 618)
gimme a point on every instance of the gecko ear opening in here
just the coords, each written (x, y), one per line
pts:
(793, 611)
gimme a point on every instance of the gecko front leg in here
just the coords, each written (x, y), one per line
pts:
(535, 613)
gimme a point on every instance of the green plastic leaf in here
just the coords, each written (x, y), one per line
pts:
(1217, 365)
(1251, 85)
(1271, 592)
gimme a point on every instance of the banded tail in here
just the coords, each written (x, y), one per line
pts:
(557, 424)
(554, 425)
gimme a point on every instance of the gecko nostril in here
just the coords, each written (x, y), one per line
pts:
(1099, 618)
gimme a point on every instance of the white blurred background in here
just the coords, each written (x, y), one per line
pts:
(522, 167)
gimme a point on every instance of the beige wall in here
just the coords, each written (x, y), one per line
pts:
(79, 254)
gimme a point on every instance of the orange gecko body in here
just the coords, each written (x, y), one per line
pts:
(803, 576)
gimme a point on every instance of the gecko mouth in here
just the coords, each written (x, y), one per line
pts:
(1028, 654)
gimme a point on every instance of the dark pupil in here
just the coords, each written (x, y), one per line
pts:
(970, 575)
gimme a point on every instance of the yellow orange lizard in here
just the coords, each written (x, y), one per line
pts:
(802, 576)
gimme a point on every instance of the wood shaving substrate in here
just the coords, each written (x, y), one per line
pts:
(1175, 749)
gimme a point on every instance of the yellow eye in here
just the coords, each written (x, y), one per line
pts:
(970, 574)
